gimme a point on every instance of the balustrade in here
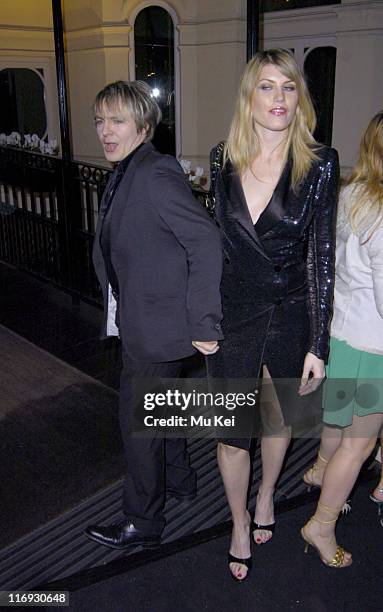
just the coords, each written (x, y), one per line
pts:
(44, 233)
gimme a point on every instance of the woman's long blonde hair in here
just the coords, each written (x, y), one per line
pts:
(242, 144)
(367, 177)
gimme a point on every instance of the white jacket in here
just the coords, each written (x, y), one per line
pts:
(358, 297)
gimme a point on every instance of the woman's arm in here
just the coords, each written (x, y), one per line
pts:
(216, 163)
(321, 255)
(375, 253)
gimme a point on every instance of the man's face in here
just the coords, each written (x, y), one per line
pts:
(117, 132)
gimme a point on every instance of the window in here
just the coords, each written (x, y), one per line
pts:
(154, 63)
(320, 64)
(283, 5)
(23, 101)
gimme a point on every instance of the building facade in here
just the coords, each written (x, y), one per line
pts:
(209, 39)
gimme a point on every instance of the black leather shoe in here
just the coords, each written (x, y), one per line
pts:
(181, 495)
(122, 536)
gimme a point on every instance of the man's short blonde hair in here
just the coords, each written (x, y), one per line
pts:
(136, 97)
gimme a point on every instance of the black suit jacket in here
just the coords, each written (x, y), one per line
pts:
(289, 255)
(166, 253)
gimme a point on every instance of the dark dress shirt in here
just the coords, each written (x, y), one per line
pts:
(105, 241)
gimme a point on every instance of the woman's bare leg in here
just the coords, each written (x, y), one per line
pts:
(274, 444)
(358, 441)
(234, 465)
(378, 491)
(330, 440)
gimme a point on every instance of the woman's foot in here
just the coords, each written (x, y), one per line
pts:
(321, 535)
(314, 475)
(325, 544)
(377, 497)
(240, 548)
(377, 493)
(264, 516)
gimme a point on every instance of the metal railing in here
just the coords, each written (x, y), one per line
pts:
(48, 217)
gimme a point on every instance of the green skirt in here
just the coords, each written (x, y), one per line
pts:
(354, 384)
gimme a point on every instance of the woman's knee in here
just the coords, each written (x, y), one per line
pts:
(370, 447)
(226, 450)
(360, 448)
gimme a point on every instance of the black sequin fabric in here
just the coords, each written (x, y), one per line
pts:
(278, 276)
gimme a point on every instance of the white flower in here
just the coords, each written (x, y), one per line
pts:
(15, 138)
(51, 147)
(30, 142)
(186, 165)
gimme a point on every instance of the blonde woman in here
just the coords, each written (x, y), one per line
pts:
(353, 398)
(275, 194)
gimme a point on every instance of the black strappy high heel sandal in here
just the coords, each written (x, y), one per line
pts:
(257, 526)
(248, 563)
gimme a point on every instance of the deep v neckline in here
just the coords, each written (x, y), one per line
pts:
(267, 204)
(236, 206)
(275, 208)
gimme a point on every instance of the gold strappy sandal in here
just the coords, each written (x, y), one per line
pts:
(338, 560)
(309, 476)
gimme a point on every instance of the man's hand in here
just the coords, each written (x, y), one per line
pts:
(316, 366)
(206, 348)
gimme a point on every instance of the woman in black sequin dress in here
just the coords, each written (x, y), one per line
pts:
(275, 201)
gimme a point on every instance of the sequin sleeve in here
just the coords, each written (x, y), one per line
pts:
(321, 254)
(216, 162)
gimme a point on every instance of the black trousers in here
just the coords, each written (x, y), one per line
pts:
(153, 464)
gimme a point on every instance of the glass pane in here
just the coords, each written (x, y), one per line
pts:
(320, 67)
(22, 96)
(154, 56)
(155, 25)
(284, 5)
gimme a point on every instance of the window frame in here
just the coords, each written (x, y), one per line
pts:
(132, 63)
(35, 64)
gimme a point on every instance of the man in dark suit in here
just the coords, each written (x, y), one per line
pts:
(157, 255)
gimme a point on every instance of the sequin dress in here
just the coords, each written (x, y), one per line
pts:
(278, 275)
